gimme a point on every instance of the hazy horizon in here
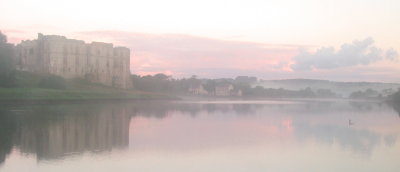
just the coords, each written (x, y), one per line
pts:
(189, 86)
(328, 40)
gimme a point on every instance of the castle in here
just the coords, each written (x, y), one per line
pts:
(96, 62)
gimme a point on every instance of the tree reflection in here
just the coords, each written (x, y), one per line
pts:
(396, 107)
(7, 131)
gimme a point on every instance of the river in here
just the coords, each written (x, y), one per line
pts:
(199, 136)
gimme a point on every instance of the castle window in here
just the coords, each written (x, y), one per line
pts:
(31, 51)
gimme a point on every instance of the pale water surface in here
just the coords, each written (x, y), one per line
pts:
(203, 136)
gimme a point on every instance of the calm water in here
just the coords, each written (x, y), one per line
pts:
(218, 136)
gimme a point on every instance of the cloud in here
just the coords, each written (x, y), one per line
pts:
(357, 53)
(186, 55)
(14, 35)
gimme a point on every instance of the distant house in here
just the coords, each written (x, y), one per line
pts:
(223, 89)
(197, 89)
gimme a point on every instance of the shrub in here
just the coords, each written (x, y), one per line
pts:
(53, 82)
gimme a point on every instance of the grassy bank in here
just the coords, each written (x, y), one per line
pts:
(75, 89)
(52, 94)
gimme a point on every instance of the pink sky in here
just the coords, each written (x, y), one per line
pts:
(213, 39)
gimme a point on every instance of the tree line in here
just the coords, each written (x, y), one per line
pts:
(166, 84)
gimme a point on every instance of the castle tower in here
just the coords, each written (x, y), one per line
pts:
(97, 62)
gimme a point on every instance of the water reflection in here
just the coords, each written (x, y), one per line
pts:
(7, 130)
(56, 131)
(396, 107)
(52, 132)
(361, 141)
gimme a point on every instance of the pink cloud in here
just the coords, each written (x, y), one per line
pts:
(14, 36)
(187, 55)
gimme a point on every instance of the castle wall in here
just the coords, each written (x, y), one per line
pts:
(97, 62)
(121, 66)
(26, 56)
(101, 62)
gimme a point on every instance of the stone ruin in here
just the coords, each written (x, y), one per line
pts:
(96, 62)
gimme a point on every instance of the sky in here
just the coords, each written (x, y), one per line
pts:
(338, 40)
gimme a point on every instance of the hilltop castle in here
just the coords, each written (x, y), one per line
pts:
(96, 62)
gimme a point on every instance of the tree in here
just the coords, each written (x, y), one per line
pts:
(369, 93)
(245, 87)
(7, 68)
(193, 80)
(325, 93)
(396, 97)
(210, 86)
(3, 38)
(154, 83)
(356, 95)
(161, 77)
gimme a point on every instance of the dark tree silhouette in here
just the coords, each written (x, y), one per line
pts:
(7, 68)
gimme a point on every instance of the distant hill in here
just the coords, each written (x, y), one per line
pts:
(342, 88)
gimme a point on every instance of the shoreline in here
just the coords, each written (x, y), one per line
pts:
(48, 96)
(197, 98)
(156, 97)
(51, 96)
(77, 101)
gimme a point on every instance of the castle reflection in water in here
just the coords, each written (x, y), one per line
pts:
(56, 131)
